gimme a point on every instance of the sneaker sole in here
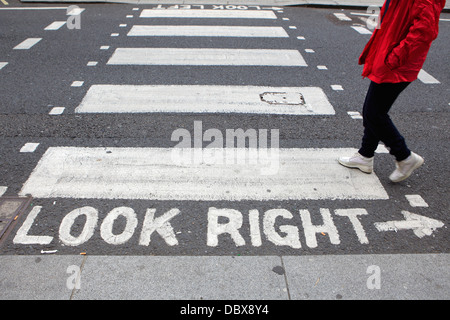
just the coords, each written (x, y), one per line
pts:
(364, 169)
(409, 173)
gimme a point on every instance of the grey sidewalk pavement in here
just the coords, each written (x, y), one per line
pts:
(327, 277)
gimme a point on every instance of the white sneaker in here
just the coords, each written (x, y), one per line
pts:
(403, 169)
(357, 161)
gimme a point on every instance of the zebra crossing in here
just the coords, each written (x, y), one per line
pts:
(129, 178)
(123, 98)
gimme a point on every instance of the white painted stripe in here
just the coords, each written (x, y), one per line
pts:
(416, 200)
(92, 63)
(217, 14)
(55, 25)
(337, 87)
(3, 190)
(322, 67)
(342, 17)
(207, 57)
(3, 64)
(201, 99)
(29, 147)
(34, 8)
(104, 47)
(75, 11)
(156, 174)
(354, 114)
(427, 78)
(77, 84)
(56, 111)
(27, 44)
(208, 31)
(362, 30)
(381, 148)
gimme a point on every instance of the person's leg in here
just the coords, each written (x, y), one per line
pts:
(378, 126)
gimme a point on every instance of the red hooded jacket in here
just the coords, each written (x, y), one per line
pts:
(397, 51)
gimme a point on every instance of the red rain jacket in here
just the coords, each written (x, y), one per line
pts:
(397, 51)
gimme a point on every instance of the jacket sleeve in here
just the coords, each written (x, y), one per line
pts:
(421, 33)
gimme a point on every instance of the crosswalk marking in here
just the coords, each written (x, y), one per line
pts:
(215, 14)
(342, 17)
(3, 64)
(205, 99)
(29, 147)
(27, 44)
(159, 174)
(209, 31)
(362, 30)
(427, 78)
(55, 25)
(3, 190)
(207, 57)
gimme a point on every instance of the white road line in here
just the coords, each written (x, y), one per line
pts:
(3, 64)
(337, 87)
(27, 44)
(3, 190)
(75, 11)
(216, 14)
(77, 84)
(29, 147)
(342, 17)
(152, 174)
(56, 111)
(92, 63)
(362, 30)
(55, 25)
(207, 57)
(354, 114)
(201, 99)
(427, 78)
(381, 149)
(35, 8)
(209, 31)
(416, 200)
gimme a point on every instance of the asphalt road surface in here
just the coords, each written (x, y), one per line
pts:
(95, 103)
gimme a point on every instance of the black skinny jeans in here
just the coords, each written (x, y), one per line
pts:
(378, 126)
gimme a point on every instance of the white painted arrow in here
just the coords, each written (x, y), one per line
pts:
(422, 226)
